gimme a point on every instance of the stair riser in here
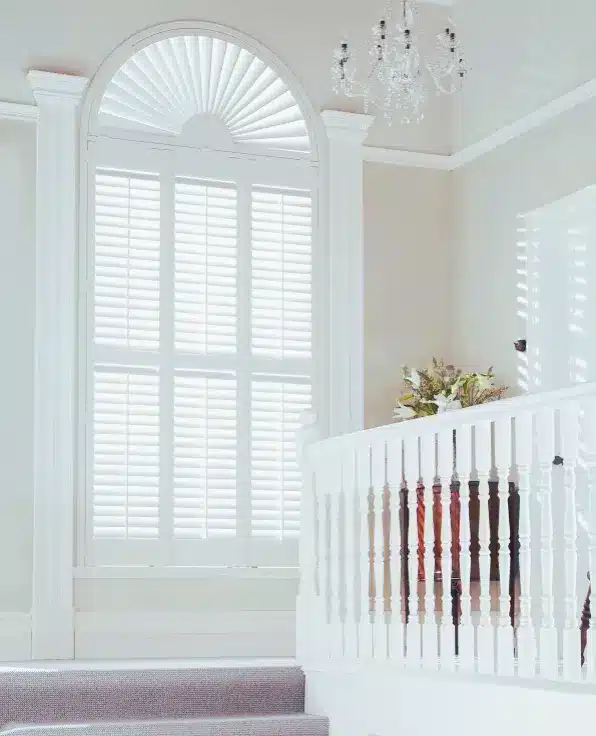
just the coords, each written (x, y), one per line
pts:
(299, 725)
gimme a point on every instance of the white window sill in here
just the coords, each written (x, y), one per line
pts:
(131, 572)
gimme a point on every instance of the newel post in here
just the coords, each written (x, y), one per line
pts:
(309, 616)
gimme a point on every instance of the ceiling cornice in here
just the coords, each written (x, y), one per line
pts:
(396, 157)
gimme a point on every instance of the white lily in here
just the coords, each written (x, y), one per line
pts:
(484, 382)
(401, 413)
(415, 379)
(446, 403)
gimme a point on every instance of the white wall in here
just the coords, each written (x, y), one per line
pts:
(382, 702)
(408, 275)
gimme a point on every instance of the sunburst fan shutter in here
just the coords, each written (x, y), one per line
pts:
(168, 83)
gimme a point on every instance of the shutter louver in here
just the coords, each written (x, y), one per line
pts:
(125, 455)
(127, 252)
(281, 274)
(205, 268)
(201, 370)
(204, 457)
(276, 478)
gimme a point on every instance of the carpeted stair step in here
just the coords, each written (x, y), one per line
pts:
(75, 695)
(289, 725)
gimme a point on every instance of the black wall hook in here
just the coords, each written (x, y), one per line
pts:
(521, 346)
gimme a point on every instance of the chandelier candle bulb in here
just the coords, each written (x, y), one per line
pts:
(399, 75)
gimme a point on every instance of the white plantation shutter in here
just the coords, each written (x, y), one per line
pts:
(126, 455)
(204, 457)
(127, 252)
(200, 368)
(281, 274)
(275, 475)
(206, 265)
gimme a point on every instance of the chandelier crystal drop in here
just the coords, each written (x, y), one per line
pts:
(400, 77)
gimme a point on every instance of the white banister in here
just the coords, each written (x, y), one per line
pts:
(569, 433)
(460, 542)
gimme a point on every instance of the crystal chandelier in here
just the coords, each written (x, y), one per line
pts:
(399, 76)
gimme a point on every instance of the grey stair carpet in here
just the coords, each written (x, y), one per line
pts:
(290, 725)
(39, 696)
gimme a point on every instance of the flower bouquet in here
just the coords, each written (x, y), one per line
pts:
(444, 388)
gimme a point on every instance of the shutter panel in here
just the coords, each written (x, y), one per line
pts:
(281, 274)
(125, 455)
(169, 399)
(276, 478)
(205, 268)
(204, 457)
(127, 252)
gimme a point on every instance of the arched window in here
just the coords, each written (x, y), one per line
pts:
(199, 183)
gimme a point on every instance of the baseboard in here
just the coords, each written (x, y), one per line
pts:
(15, 637)
(134, 635)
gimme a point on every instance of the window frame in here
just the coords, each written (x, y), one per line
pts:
(245, 171)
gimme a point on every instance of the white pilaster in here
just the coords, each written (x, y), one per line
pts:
(58, 97)
(346, 133)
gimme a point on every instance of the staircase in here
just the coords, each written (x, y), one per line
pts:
(214, 700)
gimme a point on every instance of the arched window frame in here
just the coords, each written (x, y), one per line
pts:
(61, 115)
(134, 150)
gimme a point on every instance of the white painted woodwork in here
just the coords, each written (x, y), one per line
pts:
(58, 97)
(515, 441)
(343, 179)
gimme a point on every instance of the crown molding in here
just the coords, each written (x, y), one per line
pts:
(544, 114)
(57, 85)
(395, 157)
(18, 111)
(398, 157)
(349, 126)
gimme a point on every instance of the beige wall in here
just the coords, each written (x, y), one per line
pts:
(536, 169)
(522, 55)
(17, 318)
(408, 275)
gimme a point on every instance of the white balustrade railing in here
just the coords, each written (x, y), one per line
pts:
(461, 542)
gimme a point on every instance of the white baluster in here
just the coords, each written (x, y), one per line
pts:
(464, 469)
(369, 571)
(428, 472)
(362, 614)
(524, 440)
(414, 632)
(546, 449)
(379, 483)
(445, 473)
(503, 461)
(483, 458)
(335, 489)
(323, 481)
(569, 416)
(306, 600)
(588, 427)
(342, 592)
(394, 477)
(352, 591)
